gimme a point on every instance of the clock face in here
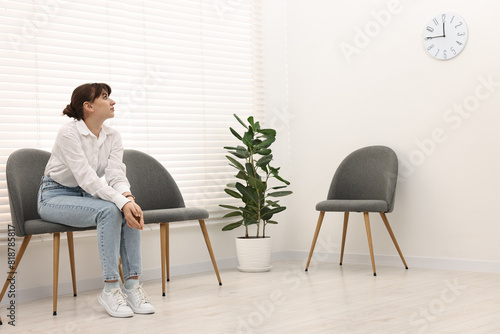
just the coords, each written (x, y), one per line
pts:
(445, 36)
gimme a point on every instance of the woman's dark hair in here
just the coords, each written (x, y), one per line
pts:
(84, 93)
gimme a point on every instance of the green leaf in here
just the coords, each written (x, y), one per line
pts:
(264, 160)
(257, 184)
(268, 215)
(235, 162)
(238, 154)
(280, 193)
(247, 140)
(264, 151)
(241, 122)
(256, 141)
(249, 222)
(252, 207)
(264, 168)
(278, 187)
(236, 134)
(268, 132)
(242, 175)
(233, 193)
(274, 170)
(272, 203)
(250, 132)
(232, 214)
(266, 143)
(229, 207)
(241, 149)
(251, 121)
(249, 213)
(250, 170)
(276, 176)
(247, 195)
(232, 226)
(271, 222)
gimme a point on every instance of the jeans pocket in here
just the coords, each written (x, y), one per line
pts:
(51, 185)
(50, 189)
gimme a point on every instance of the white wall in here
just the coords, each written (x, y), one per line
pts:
(393, 93)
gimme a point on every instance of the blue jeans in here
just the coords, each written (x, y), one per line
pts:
(77, 208)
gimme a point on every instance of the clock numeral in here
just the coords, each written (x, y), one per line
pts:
(444, 54)
(435, 21)
(460, 33)
(453, 50)
(443, 17)
(458, 25)
(430, 47)
(452, 19)
(459, 43)
(430, 29)
(436, 53)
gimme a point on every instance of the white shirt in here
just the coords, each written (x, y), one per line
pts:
(79, 158)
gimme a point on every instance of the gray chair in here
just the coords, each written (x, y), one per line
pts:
(24, 171)
(365, 181)
(161, 202)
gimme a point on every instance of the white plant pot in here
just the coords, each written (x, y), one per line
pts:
(254, 254)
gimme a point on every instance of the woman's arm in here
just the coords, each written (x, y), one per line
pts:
(74, 157)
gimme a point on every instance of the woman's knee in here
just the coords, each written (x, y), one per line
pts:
(109, 211)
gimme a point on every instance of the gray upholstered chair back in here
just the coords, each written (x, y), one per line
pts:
(369, 173)
(152, 185)
(24, 172)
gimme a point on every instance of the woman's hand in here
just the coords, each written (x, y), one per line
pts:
(133, 215)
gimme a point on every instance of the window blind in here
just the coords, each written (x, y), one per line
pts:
(178, 70)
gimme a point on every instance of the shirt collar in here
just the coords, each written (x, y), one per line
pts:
(84, 131)
(82, 128)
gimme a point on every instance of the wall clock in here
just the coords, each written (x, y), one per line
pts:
(445, 36)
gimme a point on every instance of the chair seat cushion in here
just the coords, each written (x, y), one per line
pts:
(174, 215)
(39, 226)
(345, 205)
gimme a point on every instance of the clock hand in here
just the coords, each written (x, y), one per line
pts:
(444, 35)
(433, 37)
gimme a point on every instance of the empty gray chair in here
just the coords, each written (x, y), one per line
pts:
(365, 182)
(161, 202)
(24, 171)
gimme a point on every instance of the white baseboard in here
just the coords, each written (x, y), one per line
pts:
(38, 292)
(394, 260)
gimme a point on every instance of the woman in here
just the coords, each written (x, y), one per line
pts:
(73, 193)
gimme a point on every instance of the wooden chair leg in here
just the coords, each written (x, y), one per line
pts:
(344, 233)
(386, 222)
(71, 249)
(315, 238)
(163, 244)
(209, 247)
(167, 250)
(13, 269)
(370, 244)
(57, 241)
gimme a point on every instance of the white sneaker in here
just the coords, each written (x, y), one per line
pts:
(115, 304)
(138, 300)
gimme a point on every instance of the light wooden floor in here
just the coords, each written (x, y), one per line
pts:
(327, 299)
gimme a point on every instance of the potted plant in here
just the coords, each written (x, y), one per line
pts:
(259, 198)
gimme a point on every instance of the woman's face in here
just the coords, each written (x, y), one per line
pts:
(104, 106)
